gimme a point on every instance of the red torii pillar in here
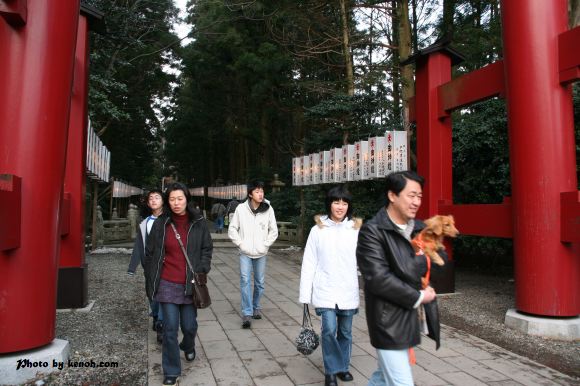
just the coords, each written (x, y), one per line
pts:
(37, 45)
(541, 60)
(73, 276)
(542, 156)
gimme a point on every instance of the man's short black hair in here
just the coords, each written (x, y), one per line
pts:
(396, 182)
(253, 185)
(338, 193)
(155, 191)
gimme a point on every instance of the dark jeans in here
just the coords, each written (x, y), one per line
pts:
(173, 314)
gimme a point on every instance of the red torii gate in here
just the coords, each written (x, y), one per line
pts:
(43, 97)
(541, 60)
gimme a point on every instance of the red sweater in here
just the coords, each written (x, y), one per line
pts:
(174, 264)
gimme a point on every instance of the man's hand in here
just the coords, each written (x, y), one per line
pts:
(428, 295)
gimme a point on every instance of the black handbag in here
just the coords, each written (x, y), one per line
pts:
(308, 340)
(200, 291)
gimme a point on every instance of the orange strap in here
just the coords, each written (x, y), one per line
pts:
(425, 279)
(421, 245)
(412, 358)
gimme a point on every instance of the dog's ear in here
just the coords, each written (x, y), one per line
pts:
(435, 224)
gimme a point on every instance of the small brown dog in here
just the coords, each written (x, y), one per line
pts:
(430, 239)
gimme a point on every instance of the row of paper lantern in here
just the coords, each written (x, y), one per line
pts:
(98, 157)
(197, 192)
(227, 192)
(120, 189)
(364, 160)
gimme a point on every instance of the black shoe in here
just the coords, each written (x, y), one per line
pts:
(190, 356)
(169, 381)
(159, 330)
(330, 380)
(257, 314)
(346, 376)
(154, 325)
(246, 323)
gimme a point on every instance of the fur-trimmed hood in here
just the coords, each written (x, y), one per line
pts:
(323, 220)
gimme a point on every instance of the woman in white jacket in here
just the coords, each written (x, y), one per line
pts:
(329, 281)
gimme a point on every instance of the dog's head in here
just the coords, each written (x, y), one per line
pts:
(442, 226)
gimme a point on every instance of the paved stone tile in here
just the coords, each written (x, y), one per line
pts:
(229, 320)
(279, 380)
(524, 375)
(467, 349)
(475, 369)
(221, 306)
(261, 364)
(230, 371)
(219, 349)
(244, 340)
(266, 353)
(276, 342)
(366, 347)
(205, 315)
(210, 330)
(461, 379)
(433, 364)
(422, 377)
(300, 370)
(364, 364)
(200, 374)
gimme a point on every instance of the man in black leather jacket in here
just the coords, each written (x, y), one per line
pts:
(392, 278)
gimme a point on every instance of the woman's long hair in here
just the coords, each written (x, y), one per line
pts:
(178, 186)
(338, 193)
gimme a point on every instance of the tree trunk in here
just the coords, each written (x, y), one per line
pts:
(448, 13)
(408, 88)
(395, 73)
(347, 57)
(574, 6)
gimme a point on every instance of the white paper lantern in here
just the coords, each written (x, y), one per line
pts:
(400, 149)
(326, 167)
(389, 152)
(337, 164)
(306, 170)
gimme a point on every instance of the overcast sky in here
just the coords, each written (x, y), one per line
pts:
(182, 29)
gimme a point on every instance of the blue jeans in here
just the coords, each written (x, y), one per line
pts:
(336, 337)
(156, 311)
(247, 265)
(394, 369)
(173, 315)
(219, 222)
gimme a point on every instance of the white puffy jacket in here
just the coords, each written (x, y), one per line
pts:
(253, 233)
(329, 272)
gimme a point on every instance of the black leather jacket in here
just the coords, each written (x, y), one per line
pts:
(392, 280)
(199, 250)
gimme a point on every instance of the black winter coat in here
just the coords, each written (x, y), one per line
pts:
(199, 250)
(392, 280)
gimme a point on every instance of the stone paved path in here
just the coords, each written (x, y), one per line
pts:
(265, 354)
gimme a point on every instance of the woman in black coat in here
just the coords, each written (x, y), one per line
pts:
(169, 274)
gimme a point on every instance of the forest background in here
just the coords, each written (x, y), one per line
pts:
(262, 81)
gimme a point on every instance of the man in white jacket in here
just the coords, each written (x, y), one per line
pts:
(253, 230)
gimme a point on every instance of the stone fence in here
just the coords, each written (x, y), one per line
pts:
(287, 231)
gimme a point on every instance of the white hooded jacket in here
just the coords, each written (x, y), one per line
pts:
(329, 271)
(253, 233)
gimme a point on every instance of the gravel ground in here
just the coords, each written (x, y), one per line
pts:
(479, 307)
(116, 328)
